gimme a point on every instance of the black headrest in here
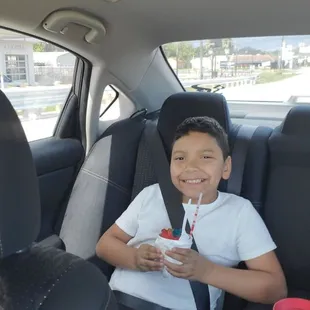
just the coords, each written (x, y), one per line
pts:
(19, 193)
(297, 122)
(180, 106)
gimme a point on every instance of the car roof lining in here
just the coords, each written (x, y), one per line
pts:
(151, 23)
(136, 28)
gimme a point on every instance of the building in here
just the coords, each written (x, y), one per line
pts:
(207, 62)
(252, 61)
(287, 56)
(54, 59)
(16, 58)
(304, 54)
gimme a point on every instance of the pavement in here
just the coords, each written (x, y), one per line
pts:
(275, 91)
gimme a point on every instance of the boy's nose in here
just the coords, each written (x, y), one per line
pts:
(191, 165)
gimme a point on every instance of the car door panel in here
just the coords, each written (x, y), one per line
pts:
(56, 161)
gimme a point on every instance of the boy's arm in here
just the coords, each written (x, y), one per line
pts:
(113, 248)
(264, 282)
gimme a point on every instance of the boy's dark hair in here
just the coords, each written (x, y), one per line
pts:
(207, 125)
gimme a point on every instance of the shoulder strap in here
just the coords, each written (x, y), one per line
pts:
(239, 154)
(173, 202)
(171, 195)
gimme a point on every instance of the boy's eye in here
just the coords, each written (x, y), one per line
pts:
(206, 157)
(179, 158)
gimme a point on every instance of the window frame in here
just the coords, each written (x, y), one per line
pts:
(112, 102)
(77, 88)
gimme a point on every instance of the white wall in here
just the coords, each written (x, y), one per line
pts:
(15, 47)
(206, 62)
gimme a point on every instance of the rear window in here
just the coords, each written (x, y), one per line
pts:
(262, 78)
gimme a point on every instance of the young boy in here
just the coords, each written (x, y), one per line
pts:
(228, 230)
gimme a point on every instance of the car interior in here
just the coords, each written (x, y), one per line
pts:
(61, 192)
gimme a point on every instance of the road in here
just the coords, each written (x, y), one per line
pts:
(242, 113)
(44, 127)
(276, 91)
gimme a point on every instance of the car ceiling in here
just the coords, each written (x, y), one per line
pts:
(149, 23)
(136, 27)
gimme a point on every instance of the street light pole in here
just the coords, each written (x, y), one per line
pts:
(281, 53)
(201, 59)
(177, 59)
(236, 59)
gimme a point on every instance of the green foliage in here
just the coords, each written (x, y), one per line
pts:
(183, 51)
(46, 47)
(186, 51)
(38, 47)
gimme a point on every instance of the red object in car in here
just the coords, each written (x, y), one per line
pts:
(168, 234)
(292, 304)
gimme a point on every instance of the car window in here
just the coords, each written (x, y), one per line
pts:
(115, 105)
(109, 108)
(262, 78)
(37, 77)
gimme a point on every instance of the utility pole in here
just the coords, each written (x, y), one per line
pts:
(177, 59)
(281, 53)
(201, 59)
(236, 59)
(209, 48)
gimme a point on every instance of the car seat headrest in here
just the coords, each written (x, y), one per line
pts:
(297, 122)
(19, 193)
(180, 106)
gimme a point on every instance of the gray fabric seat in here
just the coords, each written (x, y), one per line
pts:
(286, 213)
(102, 190)
(180, 106)
(34, 277)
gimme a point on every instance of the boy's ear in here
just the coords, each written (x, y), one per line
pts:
(227, 168)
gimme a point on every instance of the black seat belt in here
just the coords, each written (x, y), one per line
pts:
(173, 202)
(239, 154)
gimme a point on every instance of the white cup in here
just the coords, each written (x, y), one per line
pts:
(185, 242)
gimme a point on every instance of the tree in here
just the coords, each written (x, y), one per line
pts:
(46, 47)
(227, 46)
(170, 49)
(251, 51)
(181, 51)
(38, 47)
(186, 53)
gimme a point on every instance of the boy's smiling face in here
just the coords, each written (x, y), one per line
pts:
(197, 166)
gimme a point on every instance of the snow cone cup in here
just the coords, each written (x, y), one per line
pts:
(164, 244)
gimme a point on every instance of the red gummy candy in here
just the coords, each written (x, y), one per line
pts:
(169, 234)
(164, 233)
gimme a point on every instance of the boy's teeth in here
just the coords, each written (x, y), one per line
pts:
(194, 181)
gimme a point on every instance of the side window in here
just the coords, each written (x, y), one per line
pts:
(37, 77)
(109, 109)
(115, 105)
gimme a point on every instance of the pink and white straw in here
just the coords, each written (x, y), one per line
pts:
(196, 215)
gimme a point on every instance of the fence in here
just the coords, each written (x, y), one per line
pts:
(51, 75)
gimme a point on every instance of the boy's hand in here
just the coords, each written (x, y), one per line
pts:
(149, 258)
(194, 266)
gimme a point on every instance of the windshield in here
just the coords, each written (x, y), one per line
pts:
(261, 77)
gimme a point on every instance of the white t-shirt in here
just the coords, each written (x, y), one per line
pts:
(227, 231)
